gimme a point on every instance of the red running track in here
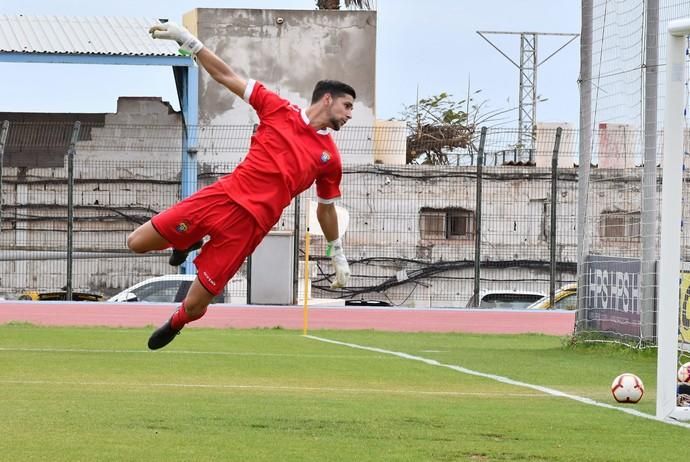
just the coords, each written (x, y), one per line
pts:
(291, 317)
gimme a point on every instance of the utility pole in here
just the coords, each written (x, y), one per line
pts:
(528, 97)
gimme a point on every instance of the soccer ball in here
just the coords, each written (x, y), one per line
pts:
(627, 388)
(684, 373)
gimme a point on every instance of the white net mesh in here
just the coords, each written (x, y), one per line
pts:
(618, 297)
(618, 58)
(621, 276)
(617, 61)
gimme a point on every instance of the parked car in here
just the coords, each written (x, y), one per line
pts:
(505, 299)
(170, 288)
(60, 295)
(565, 298)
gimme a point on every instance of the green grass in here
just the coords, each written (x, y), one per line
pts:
(95, 394)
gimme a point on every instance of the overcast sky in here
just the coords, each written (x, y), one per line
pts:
(428, 46)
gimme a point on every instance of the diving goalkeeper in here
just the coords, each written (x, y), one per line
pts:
(290, 150)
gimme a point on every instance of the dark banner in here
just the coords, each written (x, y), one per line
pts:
(612, 295)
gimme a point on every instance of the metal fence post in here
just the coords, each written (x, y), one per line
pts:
(70, 206)
(478, 216)
(3, 139)
(554, 216)
(649, 211)
(296, 242)
(584, 157)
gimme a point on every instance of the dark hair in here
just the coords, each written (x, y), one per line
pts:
(334, 87)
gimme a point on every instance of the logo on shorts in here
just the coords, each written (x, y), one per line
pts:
(209, 279)
(325, 157)
(182, 227)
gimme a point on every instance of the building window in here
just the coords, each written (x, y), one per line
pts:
(449, 223)
(620, 225)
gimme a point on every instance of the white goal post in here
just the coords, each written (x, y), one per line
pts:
(671, 219)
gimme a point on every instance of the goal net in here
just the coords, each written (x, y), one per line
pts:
(634, 250)
(619, 198)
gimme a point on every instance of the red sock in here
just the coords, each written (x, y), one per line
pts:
(181, 317)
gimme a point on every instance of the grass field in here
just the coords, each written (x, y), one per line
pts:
(96, 394)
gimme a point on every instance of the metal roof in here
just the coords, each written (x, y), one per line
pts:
(114, 36)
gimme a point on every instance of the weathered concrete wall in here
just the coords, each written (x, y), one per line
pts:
(289, 57)
(143, 131)
(129, 169)
(126, 173)
(385, 205)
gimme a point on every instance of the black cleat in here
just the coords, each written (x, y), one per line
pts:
(162, 336)
(179, 256)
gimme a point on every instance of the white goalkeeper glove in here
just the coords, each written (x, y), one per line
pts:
(334, 249)
(189, 45)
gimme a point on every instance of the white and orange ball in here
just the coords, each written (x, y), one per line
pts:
(627, 388)
(684, 373)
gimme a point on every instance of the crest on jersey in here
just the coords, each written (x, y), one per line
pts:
(182, 227)
(325, 157)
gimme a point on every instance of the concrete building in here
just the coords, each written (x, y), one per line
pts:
(289, 51)
(619, 146)
(404, 219)
(545, 142)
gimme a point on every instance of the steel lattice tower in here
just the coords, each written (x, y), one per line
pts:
(528, 97)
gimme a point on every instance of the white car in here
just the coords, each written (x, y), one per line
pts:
(170, 288)
(505, 299)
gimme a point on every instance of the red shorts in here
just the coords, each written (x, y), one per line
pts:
(234, 233)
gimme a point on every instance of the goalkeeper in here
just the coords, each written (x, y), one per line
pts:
(290, 150)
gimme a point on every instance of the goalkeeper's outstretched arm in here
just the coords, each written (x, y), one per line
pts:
(218, 69)
(221, 72)
(328, 220)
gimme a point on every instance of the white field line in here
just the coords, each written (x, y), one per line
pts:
(176, 352)
(501, 379)
(272, 388)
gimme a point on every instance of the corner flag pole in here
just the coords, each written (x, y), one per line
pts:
(313, 228)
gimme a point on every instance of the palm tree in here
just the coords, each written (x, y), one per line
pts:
(335, 4)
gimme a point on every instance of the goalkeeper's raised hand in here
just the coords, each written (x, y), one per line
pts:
(189, 45)
(334, 249)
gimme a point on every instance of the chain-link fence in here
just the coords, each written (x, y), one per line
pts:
(492, 219)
